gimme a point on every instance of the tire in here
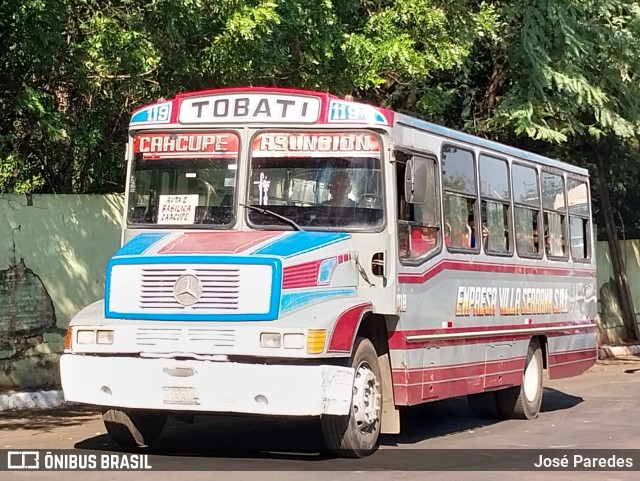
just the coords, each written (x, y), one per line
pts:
(356, 434)
(484, 405)
(524, 401)
(132, 429)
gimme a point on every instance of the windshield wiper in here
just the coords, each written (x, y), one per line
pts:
(271, 213)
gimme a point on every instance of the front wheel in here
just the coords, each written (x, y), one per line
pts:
(356, 434)
(131, 429)
(524, 401)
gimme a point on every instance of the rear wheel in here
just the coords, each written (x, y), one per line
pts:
(524, 401)
(132, 429)
(356, 434)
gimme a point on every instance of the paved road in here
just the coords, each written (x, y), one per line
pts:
(597, 410)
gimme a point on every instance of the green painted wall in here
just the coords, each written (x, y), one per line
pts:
(53, 252)
(610, 322)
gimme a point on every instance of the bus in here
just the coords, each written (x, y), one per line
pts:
(292, 253)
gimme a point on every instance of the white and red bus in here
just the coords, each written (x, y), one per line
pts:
(291, 253)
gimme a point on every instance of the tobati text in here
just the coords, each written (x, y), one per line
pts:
(510, 301)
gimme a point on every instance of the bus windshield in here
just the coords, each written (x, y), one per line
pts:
(183, 179)
(305, 178)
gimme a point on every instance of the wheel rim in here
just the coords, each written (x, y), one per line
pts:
(532, 379)
(366, 398)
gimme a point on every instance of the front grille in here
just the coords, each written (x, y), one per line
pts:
(220, 288)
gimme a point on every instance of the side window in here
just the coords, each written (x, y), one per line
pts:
(418, 224)
(526, 200)
(495, 204)
(460, 197)
(579, 226)
(555, 216)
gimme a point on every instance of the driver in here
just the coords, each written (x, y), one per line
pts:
(340, 188)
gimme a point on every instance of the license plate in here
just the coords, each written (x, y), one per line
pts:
(180, 395)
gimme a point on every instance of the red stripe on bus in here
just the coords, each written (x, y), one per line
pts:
(447, 264)
(414, 386)
(345, 328)
(216, 242)
(301, 275)
(456, 371)
(572, 363)
(398, 339)
(419, 393)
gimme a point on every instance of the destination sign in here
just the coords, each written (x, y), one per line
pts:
(314, 144)
(185, 145)
(249, 107)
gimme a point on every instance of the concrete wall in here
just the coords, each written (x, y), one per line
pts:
(53, 251)
(610, 323)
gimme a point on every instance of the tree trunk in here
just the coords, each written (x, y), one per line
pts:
(617, 260)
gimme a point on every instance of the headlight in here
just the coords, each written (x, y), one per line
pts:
(86, 337)
(89, 336)
(293, 341)
(270, 339)
(104, 337)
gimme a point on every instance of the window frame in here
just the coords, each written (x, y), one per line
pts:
(279, 227)
(131, 170)
(588, 218)
(565, 224)
(429, 156)
(516, 205)
(457, 193)
(509, 203)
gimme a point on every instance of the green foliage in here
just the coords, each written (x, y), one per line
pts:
(555, 76)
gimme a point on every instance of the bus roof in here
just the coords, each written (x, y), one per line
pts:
(488, 144)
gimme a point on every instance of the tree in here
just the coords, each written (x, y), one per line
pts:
(73, 70)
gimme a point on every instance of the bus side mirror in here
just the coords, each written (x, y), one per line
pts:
(415, 181)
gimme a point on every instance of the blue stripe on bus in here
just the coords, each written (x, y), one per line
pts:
(300, 242)
(294, 300)
(140, 243)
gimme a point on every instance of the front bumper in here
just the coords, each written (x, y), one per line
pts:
(206, 386)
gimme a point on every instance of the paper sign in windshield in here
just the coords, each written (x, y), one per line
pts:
(177, 209)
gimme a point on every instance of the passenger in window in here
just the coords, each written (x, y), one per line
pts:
(340, 188)
(472, 238)
(554, 244)
(547, 243)
(423, 239)
(485, 234)
(527, 243)
(461, 237)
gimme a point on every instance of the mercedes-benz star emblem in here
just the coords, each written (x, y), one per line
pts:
(187, 290)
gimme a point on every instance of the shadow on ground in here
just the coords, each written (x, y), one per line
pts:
(46, 419)
(554, 400)
(235, 442)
